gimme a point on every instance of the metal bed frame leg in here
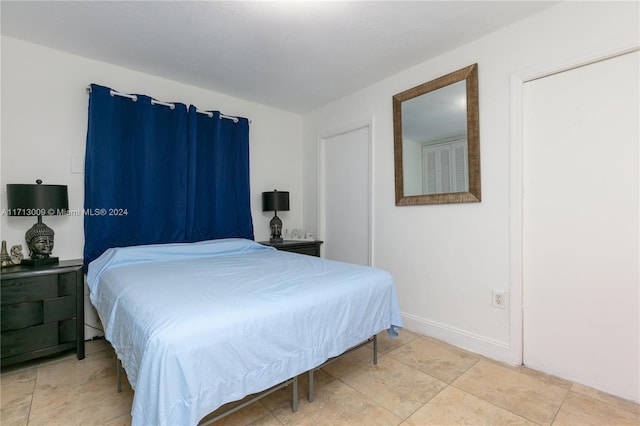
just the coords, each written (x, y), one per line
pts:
(375, 349)
(294, 394)
(310, 386)
(118, 375)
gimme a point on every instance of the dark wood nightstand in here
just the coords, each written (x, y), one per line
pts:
(42, 311)
(312, 248)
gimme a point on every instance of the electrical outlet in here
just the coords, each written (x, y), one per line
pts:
(499, 299)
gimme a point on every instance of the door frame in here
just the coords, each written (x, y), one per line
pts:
(322, 174)
(517, 81)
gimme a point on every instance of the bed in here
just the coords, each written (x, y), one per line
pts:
(197, 325)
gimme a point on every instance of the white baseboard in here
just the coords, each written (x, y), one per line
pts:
(490, 348)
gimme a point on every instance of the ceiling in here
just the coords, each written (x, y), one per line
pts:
(295, 56)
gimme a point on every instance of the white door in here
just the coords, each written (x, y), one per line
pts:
(581, 290)
(345, 196)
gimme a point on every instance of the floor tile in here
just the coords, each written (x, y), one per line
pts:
(395, 386)
(579, 409)
(455, 407)
(350, 362)
(337, 404)
(92, 346)
(268, 420)
(616, 402)
(124, 420)
(79, 392)
(16, 391)
(245, 416)
(553, 380)
(527, 396)
(386, 344)
(438, 359)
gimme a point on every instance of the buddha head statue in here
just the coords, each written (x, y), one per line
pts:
(40, 241)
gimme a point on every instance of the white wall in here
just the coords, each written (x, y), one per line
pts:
(446, 259)
(44, 123)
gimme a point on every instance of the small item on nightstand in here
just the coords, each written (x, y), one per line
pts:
(16, 254)
(5, 259)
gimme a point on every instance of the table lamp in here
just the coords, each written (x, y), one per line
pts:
(38, 200)
(275, 201)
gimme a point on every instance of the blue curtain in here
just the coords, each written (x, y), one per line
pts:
(155, 174)
(218, 200)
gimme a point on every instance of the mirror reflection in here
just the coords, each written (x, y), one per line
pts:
(436, 141)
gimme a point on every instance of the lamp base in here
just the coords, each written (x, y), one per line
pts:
(39, 262)
(276, 229)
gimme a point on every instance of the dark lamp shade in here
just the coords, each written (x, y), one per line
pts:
(275, 201)
(37, 200)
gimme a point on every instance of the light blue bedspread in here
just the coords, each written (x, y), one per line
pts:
(199, 325)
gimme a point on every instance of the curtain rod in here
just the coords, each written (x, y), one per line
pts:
(134, 98)
(228, 117)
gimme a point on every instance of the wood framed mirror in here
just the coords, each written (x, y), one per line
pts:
(436, 134)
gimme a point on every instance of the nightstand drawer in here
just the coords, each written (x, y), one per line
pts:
(27, 289)
(29, 339)
(310, 250)
(67, 331)
(21, 315)
(67, 284)
(58, 309)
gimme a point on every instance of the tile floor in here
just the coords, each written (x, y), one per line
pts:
(418, 381)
